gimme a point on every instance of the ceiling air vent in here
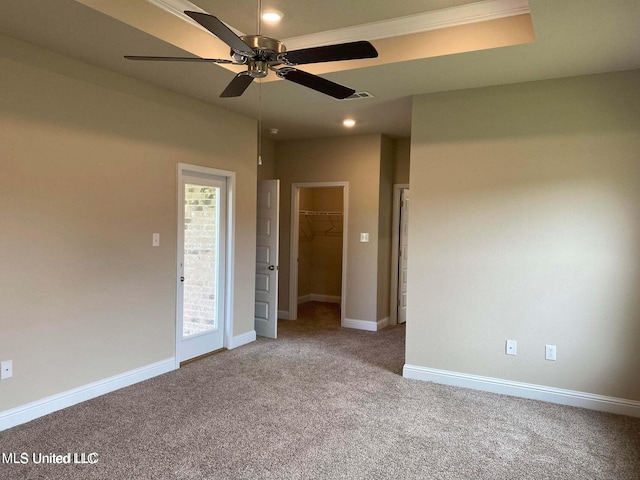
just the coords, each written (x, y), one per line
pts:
(358, 96)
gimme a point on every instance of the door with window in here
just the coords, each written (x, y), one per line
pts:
(201, 264)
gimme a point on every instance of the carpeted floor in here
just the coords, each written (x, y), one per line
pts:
(322, 402)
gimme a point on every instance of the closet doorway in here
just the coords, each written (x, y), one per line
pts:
(319, 245)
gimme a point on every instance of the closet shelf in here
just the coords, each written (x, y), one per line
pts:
(315, 222)
(314, 212)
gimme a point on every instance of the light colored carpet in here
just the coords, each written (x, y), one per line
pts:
(322, 402)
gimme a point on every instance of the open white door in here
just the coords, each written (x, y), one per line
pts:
(404, 250)
(202, 237)
(266, 306)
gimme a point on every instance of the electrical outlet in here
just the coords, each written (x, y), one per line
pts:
(550, 352)
(6, 369)
(512, 347)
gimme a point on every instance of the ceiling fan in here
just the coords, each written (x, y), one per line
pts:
(261, 54)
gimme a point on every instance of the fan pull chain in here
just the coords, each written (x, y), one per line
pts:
(259, 18)
(259, 22)
(260, 121)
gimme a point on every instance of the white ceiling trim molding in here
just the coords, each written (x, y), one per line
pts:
(178, 7)
(421, 22)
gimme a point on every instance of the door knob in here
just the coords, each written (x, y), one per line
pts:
(272, 267)
(182, 279)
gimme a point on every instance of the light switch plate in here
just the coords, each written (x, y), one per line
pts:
(364, 238)
(512, 347)
(156, 240)
(550, 352)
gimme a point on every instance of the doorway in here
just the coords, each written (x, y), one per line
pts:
(318, 245)
(203, 261)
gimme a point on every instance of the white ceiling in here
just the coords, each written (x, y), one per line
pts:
(572, 37)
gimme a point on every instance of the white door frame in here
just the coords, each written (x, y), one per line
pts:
(295, 234)
(395, 241)
(183, 170)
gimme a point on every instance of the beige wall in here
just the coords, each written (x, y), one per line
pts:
(354, 159)
(305, 247)
(385, 211)
(525, 225)
(88, 163)
(403, 157)
(267, 171)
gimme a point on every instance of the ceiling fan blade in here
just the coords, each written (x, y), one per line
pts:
(237, 86)
(176, 59)
(329, 53)
(315, 82)
(221, 31)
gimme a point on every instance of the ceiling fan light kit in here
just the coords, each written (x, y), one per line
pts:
(261, 54)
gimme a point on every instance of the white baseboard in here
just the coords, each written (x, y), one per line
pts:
(283, 314)
(31, 411)
(360, 324)
(304, 298)
(525, 390)
(240, 340)
(318, 297)
(367, 325)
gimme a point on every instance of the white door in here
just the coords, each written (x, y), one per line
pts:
(201, 264)
(404, 250)
(266, 306)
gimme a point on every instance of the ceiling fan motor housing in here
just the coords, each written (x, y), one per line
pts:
(258, 42)
(265, 50)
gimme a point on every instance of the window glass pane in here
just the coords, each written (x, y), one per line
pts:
(201, 215)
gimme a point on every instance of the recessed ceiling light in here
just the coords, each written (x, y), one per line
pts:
(272, 16)
(349, 122)
(273, 131)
